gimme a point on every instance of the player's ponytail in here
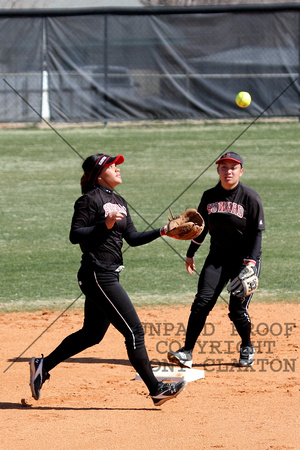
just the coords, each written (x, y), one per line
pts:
(87, 180)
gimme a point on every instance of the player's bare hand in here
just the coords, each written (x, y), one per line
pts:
(112, 218)
(190, 265)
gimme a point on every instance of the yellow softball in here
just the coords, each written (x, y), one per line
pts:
(243, 99)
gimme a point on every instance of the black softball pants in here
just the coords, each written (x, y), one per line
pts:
(106, 303)
(214, 276)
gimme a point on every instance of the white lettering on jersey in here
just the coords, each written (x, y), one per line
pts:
(109, 207)
(226, 207)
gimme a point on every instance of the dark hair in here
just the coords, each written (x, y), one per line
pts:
(87, 182)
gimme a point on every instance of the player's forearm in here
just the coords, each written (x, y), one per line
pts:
(195, 244)
(255, 247)
(83, 234)
(136, 238)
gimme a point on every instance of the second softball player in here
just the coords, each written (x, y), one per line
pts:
(234, 218)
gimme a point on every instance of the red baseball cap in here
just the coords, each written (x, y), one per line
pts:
(103, 161)
(231, 156)
(106, 160)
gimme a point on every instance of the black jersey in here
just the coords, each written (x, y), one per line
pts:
(233, 218)
(102, 246)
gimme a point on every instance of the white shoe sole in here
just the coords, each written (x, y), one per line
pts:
(246, 363)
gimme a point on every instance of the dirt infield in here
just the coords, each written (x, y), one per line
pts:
(93, 401)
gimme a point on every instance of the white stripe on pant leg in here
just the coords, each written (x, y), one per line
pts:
(133, 336)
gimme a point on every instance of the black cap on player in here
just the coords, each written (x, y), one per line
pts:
(231, 156)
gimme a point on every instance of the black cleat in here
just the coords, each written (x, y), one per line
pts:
(167, 391)
(247, 356)
(38, 376)
(182, 357)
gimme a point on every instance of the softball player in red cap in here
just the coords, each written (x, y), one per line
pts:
(234, 218)
(100, 222)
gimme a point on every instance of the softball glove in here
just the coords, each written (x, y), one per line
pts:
(188, 225)
(245, 283)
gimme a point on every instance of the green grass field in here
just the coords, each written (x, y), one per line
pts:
(40, 182)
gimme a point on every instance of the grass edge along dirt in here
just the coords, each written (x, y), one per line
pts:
(40, 182)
